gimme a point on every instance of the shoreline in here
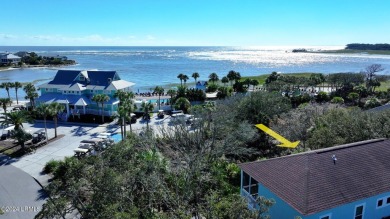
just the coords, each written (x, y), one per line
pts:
(352, 51)
(54, 67)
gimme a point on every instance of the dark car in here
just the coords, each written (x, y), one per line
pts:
(39, 136)
(160, 114)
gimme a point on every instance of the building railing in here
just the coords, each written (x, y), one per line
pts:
(99, 112)
(251, 200)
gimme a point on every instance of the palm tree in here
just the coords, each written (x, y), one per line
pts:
(185, 78)
(44, 111)
(17, 85)
(31, 93)
(121, 95)
(182, 103)
(125, 100)
(130, 107)
(21, 136)
(171, 93)
(160, 91)
(55, 108)
(16, 118)
(122, 117)
(101, 98)
(180, 76)
(195, 75)
(4, 102)
(225, 80)
(231, 76)
(146, 108)
(213, 77)
(6, 86)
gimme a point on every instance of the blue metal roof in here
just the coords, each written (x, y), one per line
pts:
(101, 78)
(98, 78)
(65, 77)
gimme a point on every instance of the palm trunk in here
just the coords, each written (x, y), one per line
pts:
(124, 129)
(102, 112)
(44, 119)
(16, 92)
(55, 125)
(159, 103)
(121, 122)
(9, 97)
(130, 122)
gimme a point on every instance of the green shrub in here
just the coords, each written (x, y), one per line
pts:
(371, 103)
(337, 100)
(212, 88)
(51, 166)
(322, 97)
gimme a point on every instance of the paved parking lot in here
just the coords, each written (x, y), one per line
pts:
(73, 133)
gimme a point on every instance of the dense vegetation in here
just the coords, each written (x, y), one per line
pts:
(173, 174)
(33, 59)
(183, 172)
(363, 46)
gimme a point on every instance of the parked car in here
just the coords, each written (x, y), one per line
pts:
(133, 118)
(7, 132)
(160, 114)
(17, 108)
(39, 136)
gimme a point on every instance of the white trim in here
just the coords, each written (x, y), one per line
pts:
(326, 215)
(358, 205)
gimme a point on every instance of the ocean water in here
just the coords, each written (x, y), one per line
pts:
(151, 66)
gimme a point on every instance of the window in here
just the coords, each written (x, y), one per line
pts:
(379, 203)
(246, 181)
(359, 212)
(325, 216)
(388, 200)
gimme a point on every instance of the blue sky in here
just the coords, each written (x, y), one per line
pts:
(194, 22)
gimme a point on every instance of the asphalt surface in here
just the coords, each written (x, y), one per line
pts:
(20, 195)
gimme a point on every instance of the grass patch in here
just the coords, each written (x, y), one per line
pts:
(261, 78)
(384, 86)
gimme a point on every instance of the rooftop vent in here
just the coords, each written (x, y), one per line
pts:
(334, 158)
(109, 80)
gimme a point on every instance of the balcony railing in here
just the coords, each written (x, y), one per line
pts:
(251, 200)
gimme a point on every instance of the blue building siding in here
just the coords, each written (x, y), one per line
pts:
(282, 210)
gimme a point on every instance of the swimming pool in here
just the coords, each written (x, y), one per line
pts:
(155, 100)
(117, 137)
